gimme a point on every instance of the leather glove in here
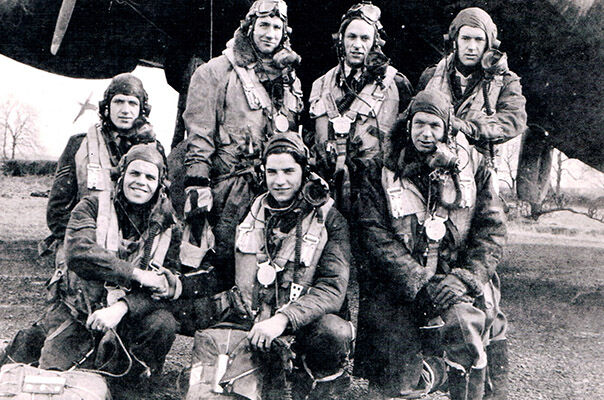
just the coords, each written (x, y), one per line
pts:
(459, 125)
(199, 201)
(448, 292)
(477, 128)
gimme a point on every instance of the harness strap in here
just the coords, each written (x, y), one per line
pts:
(255, 93)
(66, 324)
(327, 378)
(107, 228)
(161, 244)
(370, 100)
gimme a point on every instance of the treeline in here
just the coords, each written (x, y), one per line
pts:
(28, 167)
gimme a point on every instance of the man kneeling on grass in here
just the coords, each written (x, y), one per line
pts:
(433, 230)
(292, 256)
(106, 317)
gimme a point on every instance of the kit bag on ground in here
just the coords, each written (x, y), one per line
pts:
(21, 382)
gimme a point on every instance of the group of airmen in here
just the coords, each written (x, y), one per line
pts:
(410, 172)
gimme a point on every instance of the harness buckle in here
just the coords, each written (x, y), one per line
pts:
(245, 227)
(311, 239)
(93, 178)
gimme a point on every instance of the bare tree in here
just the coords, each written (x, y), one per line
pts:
(18, 126)
(507, 163)
(558, 201)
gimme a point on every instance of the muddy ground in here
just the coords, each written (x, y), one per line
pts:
(552, 290)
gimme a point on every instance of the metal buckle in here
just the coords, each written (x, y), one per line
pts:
(244, 227)
(310, 238)
(341, 125)
(394, 191)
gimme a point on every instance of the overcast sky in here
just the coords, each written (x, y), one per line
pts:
(56, 99)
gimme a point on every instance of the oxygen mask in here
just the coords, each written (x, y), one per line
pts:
(443, 158)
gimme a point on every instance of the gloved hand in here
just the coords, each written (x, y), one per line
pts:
(478, 128)
(465, 127)
(199, 201)
(448, 292)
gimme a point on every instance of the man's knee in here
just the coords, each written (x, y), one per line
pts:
(25, 346)
(65, 345)
(463, 336)
(326, 343)
(160, 324)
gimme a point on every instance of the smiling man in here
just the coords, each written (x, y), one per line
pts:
(355, 103)
(85, 167)
(486, 96)
(112, 246)
(235, 103)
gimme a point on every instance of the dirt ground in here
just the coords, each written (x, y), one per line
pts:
(552, 291)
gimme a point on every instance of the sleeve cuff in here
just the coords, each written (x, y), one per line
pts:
(291, 316)
(469, 279)
(125, 273)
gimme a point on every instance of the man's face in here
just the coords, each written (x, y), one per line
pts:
(426, 130)
(471, 43)
(140, 181)
(358, 40)
(123, 110)
(283, 177)
(267, 34)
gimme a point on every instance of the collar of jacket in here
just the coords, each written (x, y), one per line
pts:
(411, 164)
(473, 80)
(286, 218)
(243, 50)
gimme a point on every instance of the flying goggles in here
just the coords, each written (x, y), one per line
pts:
(366, 11)
(265, 8)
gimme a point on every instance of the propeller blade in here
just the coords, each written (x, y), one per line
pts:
(62, 23)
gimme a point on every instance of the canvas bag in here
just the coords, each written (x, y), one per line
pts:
(24, 382)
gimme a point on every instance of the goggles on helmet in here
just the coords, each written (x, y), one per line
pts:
(264, 8)
(366, 11)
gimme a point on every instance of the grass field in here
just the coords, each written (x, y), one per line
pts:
(552, 291)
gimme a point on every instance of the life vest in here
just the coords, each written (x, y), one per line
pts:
(475, 101)
(375, 106)
(108, 236)
(251, 254)
(259, 100)
(93, 170)
(93, 164)
(405, 200)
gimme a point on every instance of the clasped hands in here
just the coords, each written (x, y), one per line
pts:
(162, 283)
(447, 292)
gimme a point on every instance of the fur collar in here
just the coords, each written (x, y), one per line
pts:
(243, 49)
